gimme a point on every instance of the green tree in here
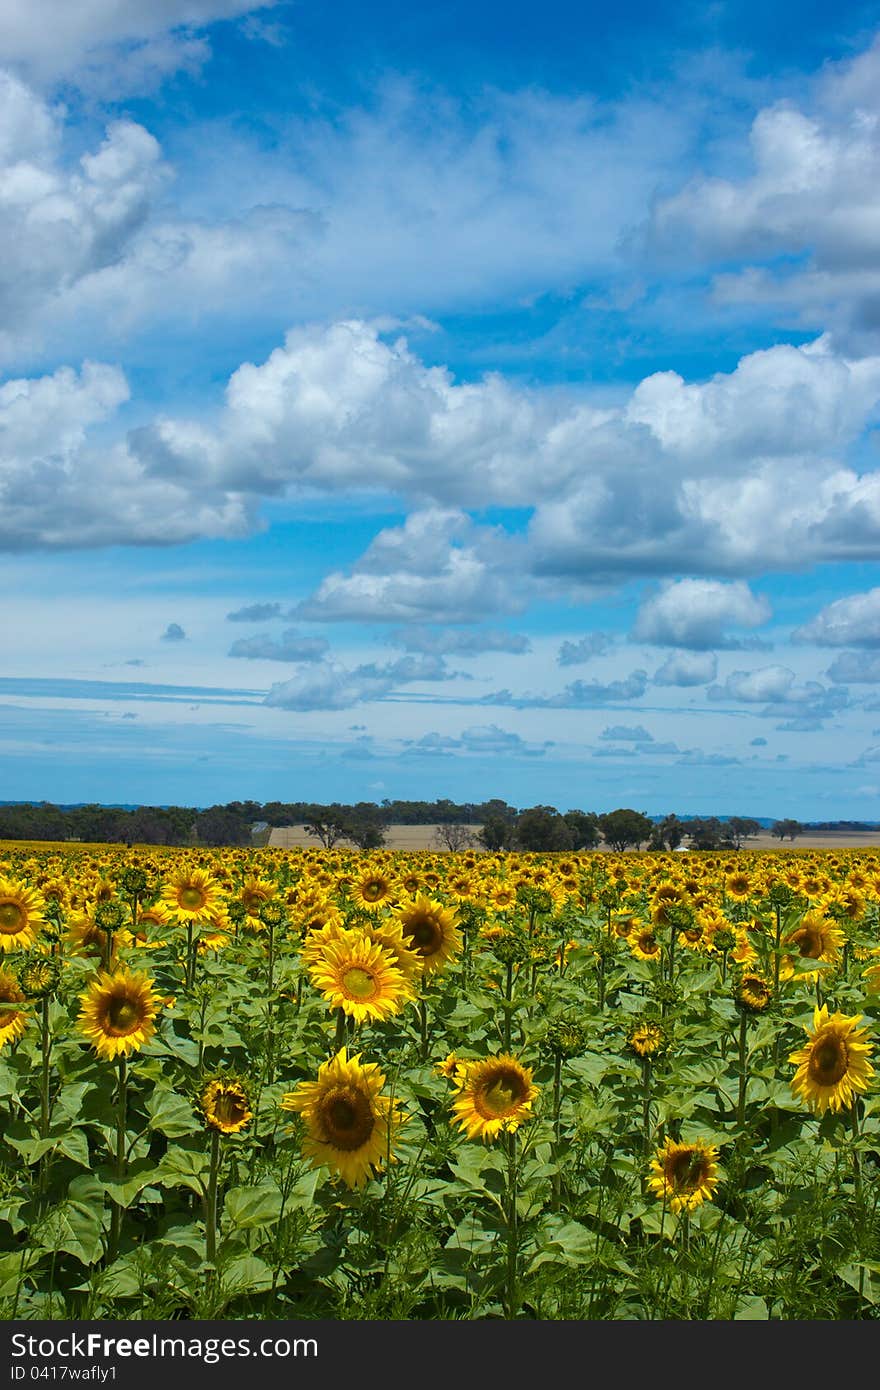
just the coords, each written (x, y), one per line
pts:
(624, 828)
(584, 829)
(786, 829)
(541, 829)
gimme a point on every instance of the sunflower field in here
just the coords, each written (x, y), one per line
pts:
(312, 1084)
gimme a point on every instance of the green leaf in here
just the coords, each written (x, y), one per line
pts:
(184, 1168)
(246, 1208)
(171, 1114)
(13, 1268)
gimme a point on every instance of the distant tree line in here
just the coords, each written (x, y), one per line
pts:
(496, 826)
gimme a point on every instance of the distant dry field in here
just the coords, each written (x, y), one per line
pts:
(422, 837)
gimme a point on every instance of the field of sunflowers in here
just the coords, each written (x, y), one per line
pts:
(312, 1084)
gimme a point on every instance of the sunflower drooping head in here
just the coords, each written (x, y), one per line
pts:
(350, 1125)
(225, 1105)
(118, 1012)
(832, 1066)
(684, 1175)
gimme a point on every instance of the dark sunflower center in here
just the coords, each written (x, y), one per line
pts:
(500, 1094)
(829, 1059)
(229, 1108)
(346, 1118)
(123, 1015)
(425, 934)
(373, 890)
(809, 943)
(12, 917)
(191, 898)
(687, 1170)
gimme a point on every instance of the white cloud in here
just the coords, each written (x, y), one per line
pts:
(687, 668)
(57, 38)
(576, 653)
(290, 647)
(328, 685)
(812, 198)
(627, 733)
(694, 613)
(425, 570)
(853, 621)
(856, 667)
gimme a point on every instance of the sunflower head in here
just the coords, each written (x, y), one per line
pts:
(432, 931)
(350, 1125)
(832, 1066)
(566, 1037)
(118, 1012)
(648, 1038)
(494, 1096)
(39, 976)
(22, 913)
(684, 1175)
(358, 975)
(752, 993)
(13, 1020)
(225, 1105)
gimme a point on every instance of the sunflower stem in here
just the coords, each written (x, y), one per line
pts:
(270, 1029)
(646, 1103)
(45, 1051)
(743, 1070)
(423, 1029)
(211, 1200)
(557, 1127)
(121, 1165)
(340, 1031)
(511, 1293)
(856, 1157)
(508, 1004)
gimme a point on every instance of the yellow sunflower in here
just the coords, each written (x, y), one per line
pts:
(192, 895)
(226, 1106)
(21, 915)
(357, 975)
(752, 992)
(832, 1066)
(13, 1020)
(494, 1095)
(374, 888)
(647, 1039)
(118, 1012)
(389, 935)
(350, 1125)
(431, 930)
(645, 945)
(816, 937)
(684, 1175)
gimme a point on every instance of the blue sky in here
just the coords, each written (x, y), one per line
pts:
(455, 401)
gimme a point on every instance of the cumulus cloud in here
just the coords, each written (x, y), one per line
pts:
(805, 216)
(291, 646)
(694, 614)
(853, 621)
(856, 668)
(696, 757)
(328, 685)
(576, 653)
(431, 568)
(255, 613)
(480, 739)
(687, 668)
(173, 633)
(775, 688)
(576, 695)
(61, 39)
